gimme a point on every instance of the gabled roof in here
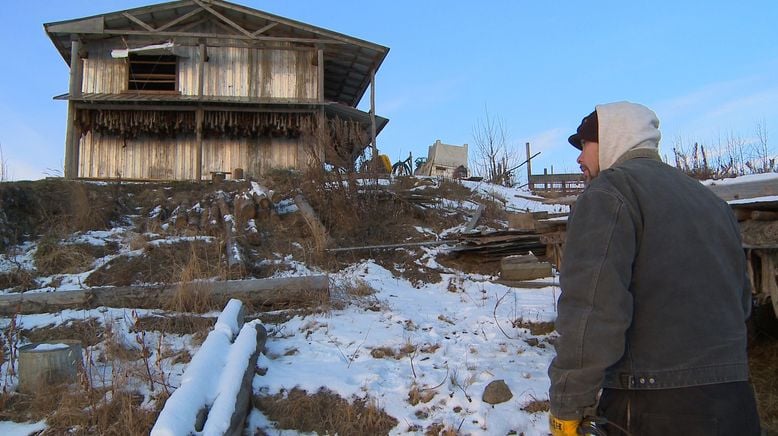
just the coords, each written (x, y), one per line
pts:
(348, 61)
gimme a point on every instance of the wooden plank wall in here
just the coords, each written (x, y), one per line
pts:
(251, 72)
(111, 157)
(102, 73)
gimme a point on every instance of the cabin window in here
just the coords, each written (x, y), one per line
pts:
(152, 72)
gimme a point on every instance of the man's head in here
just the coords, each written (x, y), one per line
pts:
(612, 130)
(586, 139)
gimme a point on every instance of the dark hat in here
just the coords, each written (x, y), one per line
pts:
(587, 131)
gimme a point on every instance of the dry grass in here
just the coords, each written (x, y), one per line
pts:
(176, 324)
(53, 257)
(164, 263)
(18, 280)
(536, 406)
(763, 361)
(325, 413)
(88, 331)
(537, 328)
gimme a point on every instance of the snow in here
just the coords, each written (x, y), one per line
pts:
(755, 200)
(199, 386)
(742, 179)
(460, 334)
(468, 338)
(230, 381)
(8, 428)
(50, 347)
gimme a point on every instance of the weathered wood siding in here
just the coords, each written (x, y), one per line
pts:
(107, 156)
(111, 157)
(285, 74)
(250, 72)
(102, 73)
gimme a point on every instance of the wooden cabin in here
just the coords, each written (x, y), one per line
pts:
(186, 89)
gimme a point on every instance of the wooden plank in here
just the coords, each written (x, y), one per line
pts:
(233, 24)
(138, 21)
(178, 20)
(277, 292)
(264, 29)
(744, 190)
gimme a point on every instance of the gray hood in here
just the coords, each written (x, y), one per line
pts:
(625, 126)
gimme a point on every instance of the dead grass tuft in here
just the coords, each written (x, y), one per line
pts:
(53, 257)
(763, 358)
(536, 406)
(439, 429)
(325, 413)
(164, 263)
(176, 324)
(18, 280)
(537, 328)
(88, 331)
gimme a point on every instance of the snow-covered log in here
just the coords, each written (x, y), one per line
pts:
(284, 292)
(199, 387)
(228, 414)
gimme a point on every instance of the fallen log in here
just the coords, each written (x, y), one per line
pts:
(184, 412)
(232, 405)
(269, 293)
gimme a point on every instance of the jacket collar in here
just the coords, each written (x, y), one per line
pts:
(638, 153)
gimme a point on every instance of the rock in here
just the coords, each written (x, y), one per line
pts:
(497, 392)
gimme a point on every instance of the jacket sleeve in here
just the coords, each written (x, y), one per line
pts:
(595, 305)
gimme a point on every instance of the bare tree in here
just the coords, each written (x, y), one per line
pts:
(4, 176)
(765, 163)
(494, 158)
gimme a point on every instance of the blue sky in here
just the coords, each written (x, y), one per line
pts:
(709, 69)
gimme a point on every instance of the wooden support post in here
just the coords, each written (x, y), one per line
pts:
(73, 133)
(372, 115)
(320, 54)
(529, 169)
(200, 113)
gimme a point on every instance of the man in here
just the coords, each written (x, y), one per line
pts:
(655, 294)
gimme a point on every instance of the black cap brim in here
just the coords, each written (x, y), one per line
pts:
(575, 141)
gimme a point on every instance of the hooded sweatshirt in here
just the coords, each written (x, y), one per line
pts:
(654, 285)
(625, 126)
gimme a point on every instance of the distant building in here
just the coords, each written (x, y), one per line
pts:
(445, 160)
(180, 90)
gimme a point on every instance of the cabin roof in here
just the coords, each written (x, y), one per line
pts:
(348, 61)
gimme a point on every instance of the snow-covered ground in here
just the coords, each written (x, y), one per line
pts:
(450, 338)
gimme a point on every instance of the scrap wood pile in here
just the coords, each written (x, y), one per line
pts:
(494, 245)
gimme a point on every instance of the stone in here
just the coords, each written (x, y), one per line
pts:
(497, 392)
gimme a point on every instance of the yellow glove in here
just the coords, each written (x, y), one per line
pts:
(562, 427)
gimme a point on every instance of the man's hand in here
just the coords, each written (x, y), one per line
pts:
(562, 427)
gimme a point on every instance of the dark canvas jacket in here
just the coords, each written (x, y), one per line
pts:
(654, 287)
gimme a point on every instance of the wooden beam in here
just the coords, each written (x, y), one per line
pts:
(320, 72)
(391, 246)
(180, 34)
(199, 116)
(264, 29)
(235, 25)
(138, 21)
(278, 292)
(178, 20)
(372, 115)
